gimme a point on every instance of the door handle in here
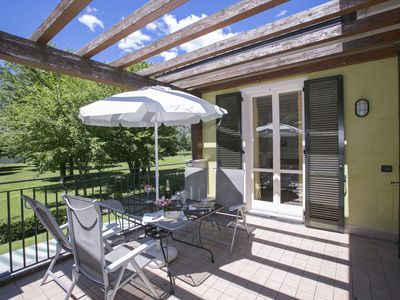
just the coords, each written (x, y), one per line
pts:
(395, 182)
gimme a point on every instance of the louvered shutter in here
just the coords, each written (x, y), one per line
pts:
(229, 140)
(324, 153)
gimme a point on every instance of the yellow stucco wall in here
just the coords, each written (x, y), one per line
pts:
(371, 201)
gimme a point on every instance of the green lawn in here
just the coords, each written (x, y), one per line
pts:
(16, 172)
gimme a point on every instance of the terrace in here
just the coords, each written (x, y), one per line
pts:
(358, 258)
(281, 260)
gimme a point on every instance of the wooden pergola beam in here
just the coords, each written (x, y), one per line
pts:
(65, 11)
(317, 14)
(26, 52)
(296, 57)
(149, 12)
(306, 68)
(330, 33)
(225, 17)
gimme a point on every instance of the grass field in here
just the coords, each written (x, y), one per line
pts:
(17, 172)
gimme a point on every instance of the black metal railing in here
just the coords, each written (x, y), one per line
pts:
(23, 240)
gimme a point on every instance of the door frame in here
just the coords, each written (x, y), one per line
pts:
(247, 129)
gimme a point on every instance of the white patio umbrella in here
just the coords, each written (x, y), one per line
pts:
(285, 130)
(148, 107)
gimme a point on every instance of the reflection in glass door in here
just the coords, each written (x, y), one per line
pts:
(278, 152)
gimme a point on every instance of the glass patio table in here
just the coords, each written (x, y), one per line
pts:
(142, 210)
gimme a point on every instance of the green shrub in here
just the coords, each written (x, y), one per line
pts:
(17, 226)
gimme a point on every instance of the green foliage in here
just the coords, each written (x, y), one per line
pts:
(18, 229)
(184, 138)
(39, 122)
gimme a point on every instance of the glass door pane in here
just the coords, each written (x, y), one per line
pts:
(291, 149)
(290, 111)
(262, 132)
(292, 189)
(263, 148)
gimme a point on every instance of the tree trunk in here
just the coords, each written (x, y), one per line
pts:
(82, 181)
(71, 167)
(63, 172)
(134, 171)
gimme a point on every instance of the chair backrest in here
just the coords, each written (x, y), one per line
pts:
(86, 225)
(229, 187)
(196, 183)
(49, 222)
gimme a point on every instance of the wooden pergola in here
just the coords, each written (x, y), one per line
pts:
(323, 37)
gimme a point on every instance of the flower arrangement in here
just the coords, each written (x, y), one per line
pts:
(163, 202)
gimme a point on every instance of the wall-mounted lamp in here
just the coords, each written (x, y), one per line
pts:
(362, 108)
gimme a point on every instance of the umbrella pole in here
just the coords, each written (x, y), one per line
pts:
(156, 159)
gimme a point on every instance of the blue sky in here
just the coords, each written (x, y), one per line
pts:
(22, 17)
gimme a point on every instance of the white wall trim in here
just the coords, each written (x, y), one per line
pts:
(263, 89)
(247, 130)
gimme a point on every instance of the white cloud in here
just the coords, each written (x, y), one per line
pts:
(133, 41)
(172, 24)
(281, 13)
(169, 24)
(166, 55)
(206, 40)
(152, 26)
(91, 10)
(91, 21)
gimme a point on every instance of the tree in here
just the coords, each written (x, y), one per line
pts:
(184, 138)
(39, 121)
(135, 146)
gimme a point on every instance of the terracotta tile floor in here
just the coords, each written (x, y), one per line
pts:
(281, 260)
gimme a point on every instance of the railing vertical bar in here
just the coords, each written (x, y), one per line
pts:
(100, 189)
(76, 187)
(121, 185)
(36, 227)
(9, 233)
(23, 229)
(93, 182)
(127, 184)
(47, 233)
(57, 215)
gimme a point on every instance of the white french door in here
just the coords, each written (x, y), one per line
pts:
(274, 149)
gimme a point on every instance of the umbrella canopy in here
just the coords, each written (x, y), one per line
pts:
(145, 107)
(148, 107)
(285, 130)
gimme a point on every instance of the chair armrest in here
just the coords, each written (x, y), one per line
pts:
(129, 256)
(235, 207)
(64, 226)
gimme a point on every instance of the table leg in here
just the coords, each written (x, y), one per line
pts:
(165, 254)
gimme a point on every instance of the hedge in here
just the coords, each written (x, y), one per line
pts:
(29, 226)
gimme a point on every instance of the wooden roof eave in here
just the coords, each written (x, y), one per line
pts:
(65, 11)
(317, 14)
(26, 52)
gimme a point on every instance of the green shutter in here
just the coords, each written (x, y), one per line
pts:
(229, 140)
(324, 153)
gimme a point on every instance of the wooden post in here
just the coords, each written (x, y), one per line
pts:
(197, 140)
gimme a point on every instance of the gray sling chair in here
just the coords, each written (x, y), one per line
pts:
(50, 224)
(229, 194)
(111, 270)
(111, 232)
(196, 183)
(56, 231)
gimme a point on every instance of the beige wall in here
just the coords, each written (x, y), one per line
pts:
(371, 200)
